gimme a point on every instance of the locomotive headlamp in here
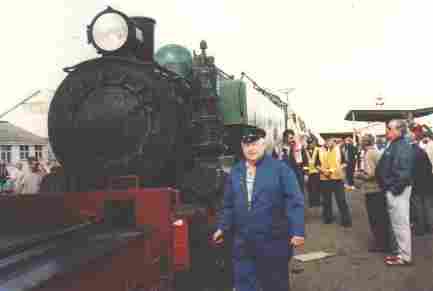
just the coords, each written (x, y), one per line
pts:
(112, 32)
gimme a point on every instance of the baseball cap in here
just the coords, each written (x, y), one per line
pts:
(252, 134)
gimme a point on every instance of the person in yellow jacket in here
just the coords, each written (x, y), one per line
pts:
(312, 170)
(331, 167)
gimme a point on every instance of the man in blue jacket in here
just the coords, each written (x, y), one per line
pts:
(394, 174)
(264, 209)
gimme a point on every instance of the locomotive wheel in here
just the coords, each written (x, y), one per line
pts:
(114, 117)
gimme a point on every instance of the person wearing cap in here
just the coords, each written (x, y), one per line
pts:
(263, 208)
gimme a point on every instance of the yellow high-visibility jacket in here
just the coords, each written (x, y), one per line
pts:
(313, 162)
(331, 161)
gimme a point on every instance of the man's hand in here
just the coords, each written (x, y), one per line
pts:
(218, 237)
(297, 241)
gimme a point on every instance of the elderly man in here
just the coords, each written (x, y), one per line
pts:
(264, 208)
(394, 175)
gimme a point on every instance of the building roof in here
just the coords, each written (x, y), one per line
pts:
(386, 114)
(14, 135)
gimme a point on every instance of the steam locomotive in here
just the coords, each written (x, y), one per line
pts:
(170, 118)
(159, 117)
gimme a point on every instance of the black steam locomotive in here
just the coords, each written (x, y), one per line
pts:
(166, 118)
(125, 114)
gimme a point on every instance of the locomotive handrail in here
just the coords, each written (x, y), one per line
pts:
(70, 69)
(224, 74)
(272, 97)
(167, 72)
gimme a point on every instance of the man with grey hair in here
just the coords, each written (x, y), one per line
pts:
(394, 175)
(263, 208)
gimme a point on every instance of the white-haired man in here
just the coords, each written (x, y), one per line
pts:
(264, 209)
(394, 174)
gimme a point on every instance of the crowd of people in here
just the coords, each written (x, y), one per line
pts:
(395, 173)
(327, 168)
(264, 192)
(25, 177)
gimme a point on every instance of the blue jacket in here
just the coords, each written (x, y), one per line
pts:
(395, 168)
(277, 204)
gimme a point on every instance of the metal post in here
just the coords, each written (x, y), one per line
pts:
(286, 107)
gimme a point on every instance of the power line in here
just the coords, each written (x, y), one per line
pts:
(20, 103)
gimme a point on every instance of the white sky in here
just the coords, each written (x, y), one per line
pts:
(336, 53)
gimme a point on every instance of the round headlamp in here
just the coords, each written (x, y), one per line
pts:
(109, 31)
(113, 33)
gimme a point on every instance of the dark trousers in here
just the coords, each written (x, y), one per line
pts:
(313, 188)
(378, 219)
(335, 187)
(421, 212)
(261, 265)
(300, 178)
(350, 170)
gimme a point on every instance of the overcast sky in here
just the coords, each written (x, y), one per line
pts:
(336, 53)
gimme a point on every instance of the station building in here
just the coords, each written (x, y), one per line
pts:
(17, 144)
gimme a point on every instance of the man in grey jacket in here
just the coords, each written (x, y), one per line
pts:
(394, 175)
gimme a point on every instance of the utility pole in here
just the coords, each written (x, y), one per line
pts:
(286, 91)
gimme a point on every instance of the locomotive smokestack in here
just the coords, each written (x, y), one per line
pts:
(147, 35)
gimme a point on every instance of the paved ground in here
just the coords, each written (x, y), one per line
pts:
(354, 268)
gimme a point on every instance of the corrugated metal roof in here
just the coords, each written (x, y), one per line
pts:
(14, 135)
(386, 114)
